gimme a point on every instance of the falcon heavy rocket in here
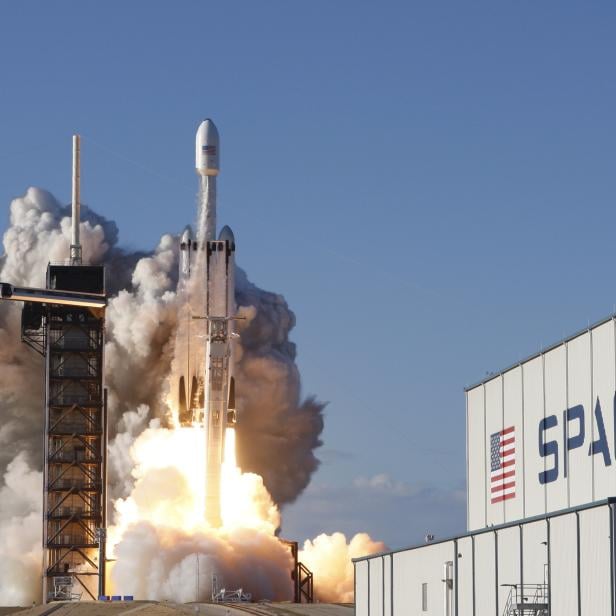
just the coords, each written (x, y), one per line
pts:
(204, 384)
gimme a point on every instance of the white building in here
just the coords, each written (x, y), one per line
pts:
(541, 474)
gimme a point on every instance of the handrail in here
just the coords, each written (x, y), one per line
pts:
(527, 599)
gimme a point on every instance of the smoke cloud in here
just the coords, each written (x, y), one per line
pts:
(39, 232)
(20, 533)
(329, 557)
(141, 320)
(181, 566)
(278, 431)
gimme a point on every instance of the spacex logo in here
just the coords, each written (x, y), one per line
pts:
(559, 435)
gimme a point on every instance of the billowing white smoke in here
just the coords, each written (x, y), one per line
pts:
(39, 232)
(330, 558)
(161, 563)
(20, 533)
(140, 323)
(277, 434)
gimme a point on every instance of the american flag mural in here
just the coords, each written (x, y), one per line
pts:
(502, 464)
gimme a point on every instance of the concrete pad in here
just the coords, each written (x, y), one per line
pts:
(166, 608)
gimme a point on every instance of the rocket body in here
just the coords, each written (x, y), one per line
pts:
(205, 387)
(219, 385)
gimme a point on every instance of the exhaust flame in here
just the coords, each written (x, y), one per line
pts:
(167, 501)
(169, 488)
(245, 501)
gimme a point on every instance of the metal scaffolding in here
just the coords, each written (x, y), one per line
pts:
(72, 340)
(303, 582)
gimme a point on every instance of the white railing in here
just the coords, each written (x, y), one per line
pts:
(527, 600)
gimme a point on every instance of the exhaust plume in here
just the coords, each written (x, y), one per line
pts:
(277, 434)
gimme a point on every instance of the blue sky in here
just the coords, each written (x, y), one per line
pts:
(429, 184)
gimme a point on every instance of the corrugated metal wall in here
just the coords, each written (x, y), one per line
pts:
(362, 588)
(561, 406)
(376, 601)
(465, 568)
(425, 568)
(567, 556)
(595, 570)
(563, 546)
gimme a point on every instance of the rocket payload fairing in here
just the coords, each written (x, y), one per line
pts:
(205, 384)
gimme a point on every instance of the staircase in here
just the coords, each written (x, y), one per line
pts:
(527, 600)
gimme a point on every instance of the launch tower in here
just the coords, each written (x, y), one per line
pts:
(71, 339)
(75, 419)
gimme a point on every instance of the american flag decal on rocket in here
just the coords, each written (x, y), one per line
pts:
(502, 464)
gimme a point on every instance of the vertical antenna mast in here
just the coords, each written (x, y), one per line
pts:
(75, 245)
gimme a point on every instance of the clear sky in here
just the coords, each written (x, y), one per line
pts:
(429, 184)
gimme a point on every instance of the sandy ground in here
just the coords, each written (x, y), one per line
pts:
(151, 608)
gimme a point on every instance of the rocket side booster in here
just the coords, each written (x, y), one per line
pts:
(187, 249)
(189, 348)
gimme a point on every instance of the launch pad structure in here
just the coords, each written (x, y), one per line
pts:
(65, 324)
(303, 581)
(75, 434)
(71, 339)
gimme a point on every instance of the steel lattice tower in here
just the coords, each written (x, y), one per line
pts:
(75, 439)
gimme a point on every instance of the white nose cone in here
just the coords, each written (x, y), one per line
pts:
(186, 239)
(207, 151)
(226, 235)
